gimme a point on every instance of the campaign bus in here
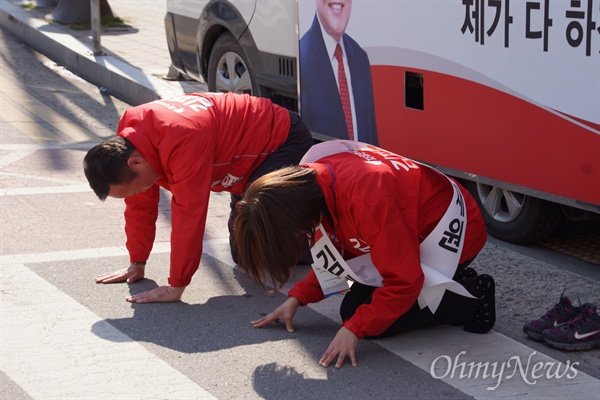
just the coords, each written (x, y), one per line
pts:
(501, 94)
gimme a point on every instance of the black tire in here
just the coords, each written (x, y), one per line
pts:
(228, 69)
(515, 217)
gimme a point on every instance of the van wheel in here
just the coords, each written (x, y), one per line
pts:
(515, 217)
(228, 70)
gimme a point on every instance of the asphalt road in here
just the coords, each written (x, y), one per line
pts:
(63, 336)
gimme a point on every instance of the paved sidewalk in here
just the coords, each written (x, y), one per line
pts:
(137, 57)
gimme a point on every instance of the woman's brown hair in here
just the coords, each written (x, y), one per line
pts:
(278, 213)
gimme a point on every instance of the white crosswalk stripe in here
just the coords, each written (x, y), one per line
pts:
(49, 350)
(47, 343)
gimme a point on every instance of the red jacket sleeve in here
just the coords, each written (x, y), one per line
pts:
(189, 163)
(308, 290)
(141, 212)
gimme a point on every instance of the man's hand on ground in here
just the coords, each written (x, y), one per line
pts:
(162, 294)
(135, 272)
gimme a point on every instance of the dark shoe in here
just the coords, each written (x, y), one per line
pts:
(485, 312)
(580, 333)
(467, 272)
(559, 315)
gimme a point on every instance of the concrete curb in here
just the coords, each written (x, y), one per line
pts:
(128, 83)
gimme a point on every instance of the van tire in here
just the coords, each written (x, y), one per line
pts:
(528, 220)
(228, 68)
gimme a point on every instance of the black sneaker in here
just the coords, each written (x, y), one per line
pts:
(580, 333)
(465, 273)
(559, 315)
(485, 313)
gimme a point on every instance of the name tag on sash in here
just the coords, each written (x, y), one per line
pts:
(333, 272)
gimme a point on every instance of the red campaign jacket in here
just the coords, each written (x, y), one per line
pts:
(197, 143)
(387, 211)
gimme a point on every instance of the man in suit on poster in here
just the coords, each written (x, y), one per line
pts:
(336, 89)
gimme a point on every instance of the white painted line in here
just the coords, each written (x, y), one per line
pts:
(51, 352)
(14, 155)
(217, 248)
(46, 146)
(83, 254)
(16, 152)
(28, 191)
(42, 178)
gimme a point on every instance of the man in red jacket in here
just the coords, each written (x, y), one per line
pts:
(188, 145)
(401, 231)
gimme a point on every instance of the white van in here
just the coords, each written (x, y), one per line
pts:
(245, 46)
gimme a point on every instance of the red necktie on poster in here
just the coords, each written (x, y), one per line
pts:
(344, 94)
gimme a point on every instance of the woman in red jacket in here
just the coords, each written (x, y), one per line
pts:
(402, 232)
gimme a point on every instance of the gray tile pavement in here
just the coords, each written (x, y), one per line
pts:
(136, 57)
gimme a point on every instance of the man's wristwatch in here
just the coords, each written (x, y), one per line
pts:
(138, 263)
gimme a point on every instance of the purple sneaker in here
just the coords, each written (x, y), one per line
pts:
(580, 333)
(559, 315)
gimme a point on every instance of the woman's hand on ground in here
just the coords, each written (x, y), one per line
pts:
(343, 344)
(286, 312)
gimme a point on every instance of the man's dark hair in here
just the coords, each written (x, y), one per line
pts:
(106, 164)
(277, 215)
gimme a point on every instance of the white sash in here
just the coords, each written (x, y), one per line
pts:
(330, 147)
(440, 252)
